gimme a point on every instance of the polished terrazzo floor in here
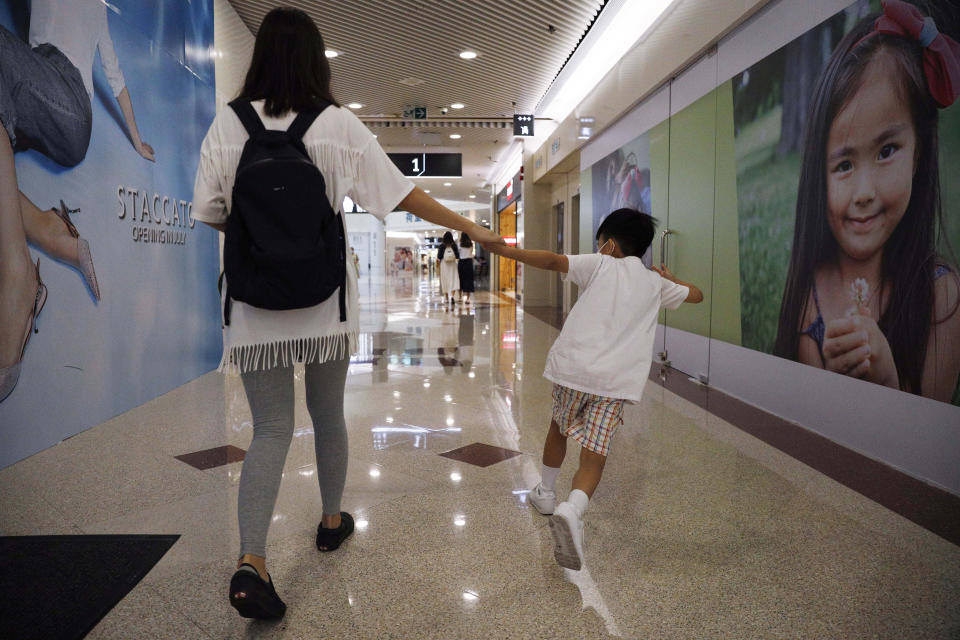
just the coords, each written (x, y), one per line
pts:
(697, 531)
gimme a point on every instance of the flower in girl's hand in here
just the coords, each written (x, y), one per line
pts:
(860, 292)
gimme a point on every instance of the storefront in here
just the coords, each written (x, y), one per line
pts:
(509, 209)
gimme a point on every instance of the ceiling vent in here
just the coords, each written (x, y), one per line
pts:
(490, 123)
(430, 138)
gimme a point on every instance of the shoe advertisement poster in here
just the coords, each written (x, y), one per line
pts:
(108, 289)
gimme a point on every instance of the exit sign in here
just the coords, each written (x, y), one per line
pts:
(414, 112)
(523, 124)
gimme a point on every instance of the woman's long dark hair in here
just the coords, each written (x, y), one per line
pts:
(910, 254)
(448, 239)
(465, 240)
(289, 69)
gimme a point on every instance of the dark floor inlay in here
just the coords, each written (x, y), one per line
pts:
(216, 457)
(62, 586)
(481, 455)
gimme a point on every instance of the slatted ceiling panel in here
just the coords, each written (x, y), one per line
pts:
(385, 41)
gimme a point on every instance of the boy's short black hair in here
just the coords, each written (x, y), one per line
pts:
(631, 229)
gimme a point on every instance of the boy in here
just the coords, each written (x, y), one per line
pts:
(600, 360)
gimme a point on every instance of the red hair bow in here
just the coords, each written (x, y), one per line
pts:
(941, 55)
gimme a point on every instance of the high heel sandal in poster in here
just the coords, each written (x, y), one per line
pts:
(10, 375)
(84, 259)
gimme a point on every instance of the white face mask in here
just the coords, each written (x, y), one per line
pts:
(604, 246)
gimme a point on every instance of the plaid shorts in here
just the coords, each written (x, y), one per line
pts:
(589, 419)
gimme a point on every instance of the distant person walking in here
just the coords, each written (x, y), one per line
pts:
(448, 260)
(465, 267)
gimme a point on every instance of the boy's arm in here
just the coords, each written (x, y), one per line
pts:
(695, 294)
(540, 259)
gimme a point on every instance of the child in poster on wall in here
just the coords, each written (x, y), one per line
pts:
(867, 293)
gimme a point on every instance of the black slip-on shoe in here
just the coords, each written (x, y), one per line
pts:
(331, 539)
(252, 597)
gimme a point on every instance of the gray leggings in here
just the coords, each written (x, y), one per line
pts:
(271, 398)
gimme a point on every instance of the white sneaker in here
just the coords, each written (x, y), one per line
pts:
(542, 500)
(567, 529)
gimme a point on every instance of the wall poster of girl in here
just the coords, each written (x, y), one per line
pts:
(845, 141)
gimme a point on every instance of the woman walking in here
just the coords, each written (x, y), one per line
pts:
(448, 257)
(289, 74)
(465, 267)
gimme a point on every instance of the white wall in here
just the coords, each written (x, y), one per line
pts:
(233, 42)
(367, 236)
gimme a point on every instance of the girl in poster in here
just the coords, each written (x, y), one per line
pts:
(867, 295)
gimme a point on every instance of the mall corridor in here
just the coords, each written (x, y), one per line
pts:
(698, 530)
(303, 303)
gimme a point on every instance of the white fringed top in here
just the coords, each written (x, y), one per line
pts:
(354, 165)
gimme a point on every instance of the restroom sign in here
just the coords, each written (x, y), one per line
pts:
(522, 124)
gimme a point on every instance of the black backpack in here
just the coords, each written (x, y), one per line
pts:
(284, 244)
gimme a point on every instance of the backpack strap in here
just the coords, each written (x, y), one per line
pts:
(248, 116)
(298, 128)
(343, 259)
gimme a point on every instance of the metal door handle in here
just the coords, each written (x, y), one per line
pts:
(663, 245)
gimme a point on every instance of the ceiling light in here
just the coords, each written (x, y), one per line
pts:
(468, 55)
(426, 190)
(457, 105)
(330, 53)
(472, 195)
(447, 184)
(355, 105)
(455, 136)
(609, 39)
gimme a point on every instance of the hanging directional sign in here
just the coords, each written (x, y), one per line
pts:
(428, 165)
(414, 112)
(522, 124)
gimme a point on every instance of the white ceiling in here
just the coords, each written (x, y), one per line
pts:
(385, 41)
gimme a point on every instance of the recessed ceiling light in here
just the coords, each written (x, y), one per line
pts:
(457, 105)
(447, 184)
(426, 190)
(375, 136)
(468, 55)
(330, 53)
(355, 105)
(472, 196)
(454, 136)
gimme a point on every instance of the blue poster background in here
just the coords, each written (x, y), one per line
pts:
(157, 325)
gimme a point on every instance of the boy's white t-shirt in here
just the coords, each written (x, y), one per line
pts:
(606, 345)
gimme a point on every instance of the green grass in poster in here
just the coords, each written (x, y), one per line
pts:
(767, 196)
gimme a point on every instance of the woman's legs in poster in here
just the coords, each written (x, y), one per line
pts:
(18, 278)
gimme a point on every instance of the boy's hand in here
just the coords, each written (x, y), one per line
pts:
(495, 247)
(663, 271)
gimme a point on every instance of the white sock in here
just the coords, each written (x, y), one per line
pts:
(548, 476)
(579, 501)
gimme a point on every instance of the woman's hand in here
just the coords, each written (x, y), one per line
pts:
(146, 151)
(855, 346)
